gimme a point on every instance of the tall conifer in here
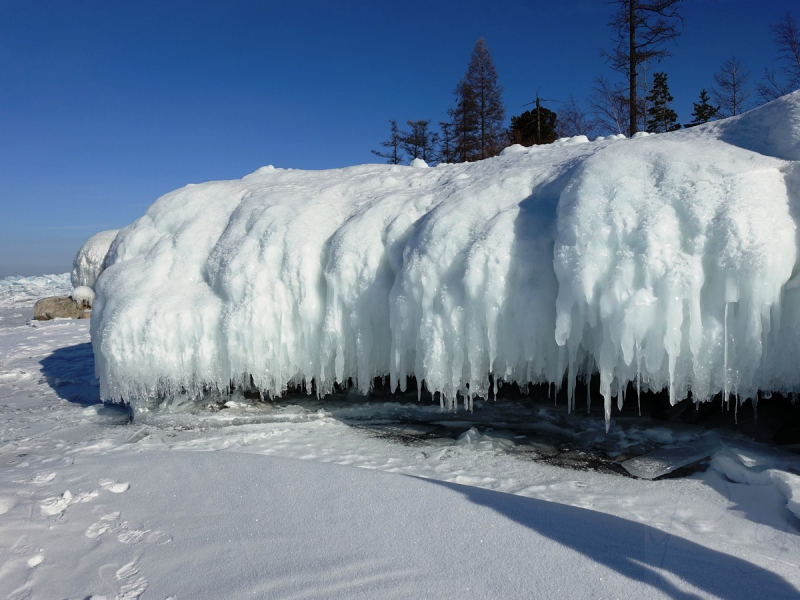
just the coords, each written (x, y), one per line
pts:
(661, 118)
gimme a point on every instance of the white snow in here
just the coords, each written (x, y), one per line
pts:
(303, 499)
(89, 261)
(661, 261)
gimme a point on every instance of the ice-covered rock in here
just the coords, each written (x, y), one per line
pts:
(83, 296)
(89, 261)
(663, 261)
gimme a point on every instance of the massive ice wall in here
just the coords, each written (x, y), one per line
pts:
(665, 260)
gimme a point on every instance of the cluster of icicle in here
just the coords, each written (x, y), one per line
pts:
(663, 261)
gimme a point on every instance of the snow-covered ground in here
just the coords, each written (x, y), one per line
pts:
(308, 499)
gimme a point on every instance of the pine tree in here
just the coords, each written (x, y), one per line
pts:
(393, 153)
(478, 115)
(465, 123)
(661, 117)
(530, 129)
(703, 111)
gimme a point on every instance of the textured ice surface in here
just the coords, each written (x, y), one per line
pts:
(88, 262)
(666, 261)
(17, 291)
(666, 460)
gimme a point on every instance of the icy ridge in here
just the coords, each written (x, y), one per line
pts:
(89, 262)
(18, 291)
(662, 261)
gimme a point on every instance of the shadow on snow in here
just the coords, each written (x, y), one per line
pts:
(634, 550)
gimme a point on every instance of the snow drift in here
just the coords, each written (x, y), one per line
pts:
(89, 261)
(664, 261)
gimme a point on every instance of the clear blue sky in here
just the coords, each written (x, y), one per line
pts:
(106, 105)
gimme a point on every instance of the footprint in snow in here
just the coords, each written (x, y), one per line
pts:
(132, 536)
(132, 589)
(159, 538)
(128, 571)
(56, 505)
(95, 530)
(42, 478)
(114, 486)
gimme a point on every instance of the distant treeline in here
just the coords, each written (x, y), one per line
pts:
(637, 101)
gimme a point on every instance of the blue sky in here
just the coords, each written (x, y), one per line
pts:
(104, 106)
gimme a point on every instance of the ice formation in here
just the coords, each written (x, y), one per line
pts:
(662, 261)
(89, 261)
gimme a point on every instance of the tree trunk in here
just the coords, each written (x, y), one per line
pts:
(632, 66)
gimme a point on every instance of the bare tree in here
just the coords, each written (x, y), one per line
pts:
(732, 89)
(420, 141)
(572, 120)
(609, 106)
(446, 147)
(393, 144)
(786, 35)
(641, 28)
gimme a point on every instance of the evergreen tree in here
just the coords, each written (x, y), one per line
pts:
(661, 118)
(464, 123)
(478, 114)
(703, 111)
(537, 126)
(393, 144)
(641, 29)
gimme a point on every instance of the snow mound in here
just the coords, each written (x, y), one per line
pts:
(89, 261)
(772, 129)
(418, 163)
(17, 291)
(83, 296)
(661, 261)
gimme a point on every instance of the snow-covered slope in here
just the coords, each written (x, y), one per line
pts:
(89, 261)
(662, 260)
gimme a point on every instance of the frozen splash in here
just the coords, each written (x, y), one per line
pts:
(665, 261)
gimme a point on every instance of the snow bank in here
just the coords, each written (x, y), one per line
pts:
(89, 261)
(665, 261)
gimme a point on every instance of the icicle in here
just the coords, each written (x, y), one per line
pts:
(420, 383)
(494, 387)
(588, 394)
(571, 381)
(725, 360)
(736, 410)
(639, 386)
